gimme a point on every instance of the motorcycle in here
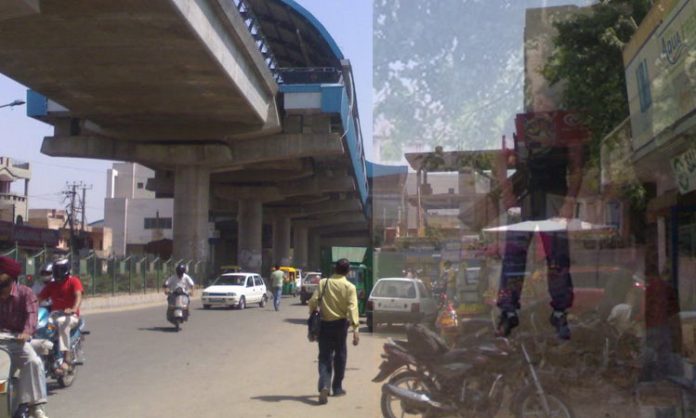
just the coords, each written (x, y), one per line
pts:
(9, 396)
(178, 307)
(45, 343)
(463, 382)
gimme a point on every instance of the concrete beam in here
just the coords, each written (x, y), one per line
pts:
(330, 207)
(336, 219)
(348, 241)
(356, 228)
(10, 9)
(228, 41)
(215, 156)
(313, 186)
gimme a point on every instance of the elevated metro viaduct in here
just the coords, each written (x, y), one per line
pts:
(245, 109)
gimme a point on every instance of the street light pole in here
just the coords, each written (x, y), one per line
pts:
(14, 103)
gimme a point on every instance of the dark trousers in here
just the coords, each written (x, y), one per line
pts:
(557, 252)
(333, 353)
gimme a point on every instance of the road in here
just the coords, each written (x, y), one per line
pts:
(251, 363)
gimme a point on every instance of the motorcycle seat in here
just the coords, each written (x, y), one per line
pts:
(455, 354)
(452, 370)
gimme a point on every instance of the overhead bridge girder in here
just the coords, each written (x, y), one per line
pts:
(216, 157)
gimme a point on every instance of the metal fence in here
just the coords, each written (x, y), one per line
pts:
(111, 275)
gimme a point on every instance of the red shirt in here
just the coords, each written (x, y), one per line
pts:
(18, 311)
(62, 294)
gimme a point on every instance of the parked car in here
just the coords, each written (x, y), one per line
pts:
(399, 300)
(310, 281)
(235, 290)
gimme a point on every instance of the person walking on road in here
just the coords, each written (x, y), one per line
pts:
(338, 310)
(277, 279)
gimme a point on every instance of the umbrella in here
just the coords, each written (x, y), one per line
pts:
(552, 225)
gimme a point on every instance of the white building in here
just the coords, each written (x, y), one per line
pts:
(134, 215)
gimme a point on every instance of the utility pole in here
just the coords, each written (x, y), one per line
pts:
(75, 205)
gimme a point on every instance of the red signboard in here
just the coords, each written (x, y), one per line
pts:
(549, 129)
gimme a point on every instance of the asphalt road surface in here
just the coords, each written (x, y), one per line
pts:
(224, 363)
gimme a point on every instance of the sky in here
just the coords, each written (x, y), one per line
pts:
(348, 22)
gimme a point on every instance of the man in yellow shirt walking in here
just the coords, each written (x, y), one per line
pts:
(339, 310)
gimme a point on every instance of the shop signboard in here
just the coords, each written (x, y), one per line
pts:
(661, 75)
(684, 168)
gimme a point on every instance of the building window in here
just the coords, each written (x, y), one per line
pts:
(158, 223)
(643, 86)
(141, 185)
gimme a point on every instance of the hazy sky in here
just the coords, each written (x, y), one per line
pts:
(348, 22)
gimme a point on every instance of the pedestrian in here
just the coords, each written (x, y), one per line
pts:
(277, 279)
(18, 315)
(554, 176)
(339, 310)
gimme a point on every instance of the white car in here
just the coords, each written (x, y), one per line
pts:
(399, 300)
(235, 290)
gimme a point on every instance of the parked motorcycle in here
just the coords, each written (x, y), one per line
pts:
(45, 343)
(178, 307)
(428, 379)
(9, 396)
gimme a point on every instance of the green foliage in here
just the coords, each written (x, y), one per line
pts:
(448, 72)
(588, 59)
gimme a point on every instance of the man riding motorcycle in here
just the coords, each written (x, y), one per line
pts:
(65, 292)
(18, 308)
(178, 280)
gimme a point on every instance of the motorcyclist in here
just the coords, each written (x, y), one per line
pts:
(18, 308)
(46, 276)
(179, 280)
(65, 292)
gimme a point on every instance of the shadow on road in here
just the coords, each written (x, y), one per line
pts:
(160, 329)
(306, 399)
(296, 321)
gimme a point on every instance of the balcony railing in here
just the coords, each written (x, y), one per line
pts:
(254, 27)
(12, 198)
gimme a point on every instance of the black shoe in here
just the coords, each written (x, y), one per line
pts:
(339, 392)
(559, 320)
(508, 320)
(324, 396)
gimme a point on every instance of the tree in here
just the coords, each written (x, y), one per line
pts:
(587, 57)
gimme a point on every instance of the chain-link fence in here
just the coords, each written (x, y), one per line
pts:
(111, 275)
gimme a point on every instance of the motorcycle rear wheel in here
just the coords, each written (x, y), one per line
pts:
(412, 381)
(530, 405)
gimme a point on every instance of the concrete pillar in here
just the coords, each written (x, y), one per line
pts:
(249, 235)
(314, 252)
(281, 240)
(191, 205)
(299, 246)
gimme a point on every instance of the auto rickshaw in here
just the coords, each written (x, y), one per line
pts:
(291, 284)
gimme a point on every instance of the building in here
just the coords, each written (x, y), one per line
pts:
(660, 68)
(135, 216)
(14, 206)
(95, 237)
